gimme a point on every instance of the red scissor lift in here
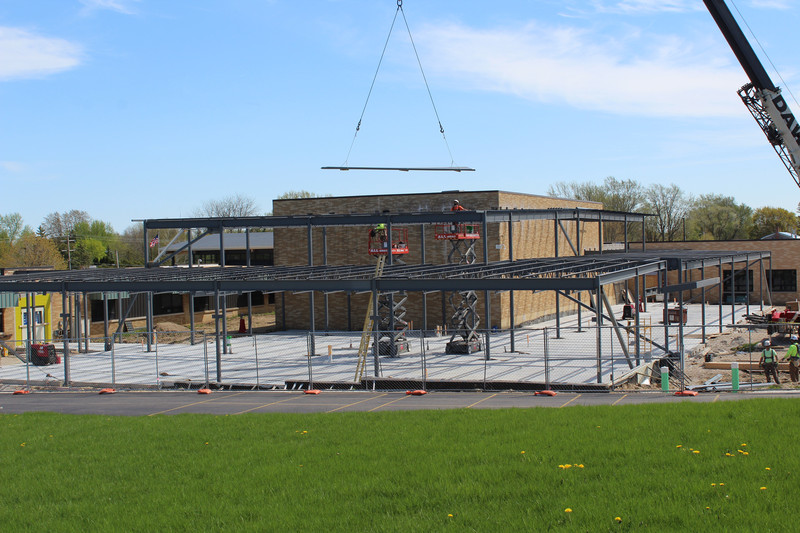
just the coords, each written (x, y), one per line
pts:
(465, 319)
(380, 244)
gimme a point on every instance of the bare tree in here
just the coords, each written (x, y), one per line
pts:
(615, 195)
(230, 206)
(59, 226)
(670, 205)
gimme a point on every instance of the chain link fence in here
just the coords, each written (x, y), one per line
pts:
(578, 358)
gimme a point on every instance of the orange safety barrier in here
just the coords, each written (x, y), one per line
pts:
(203, 391)
(312, 391)
(416, 392)
(686, 393)
(545, 393)
(21, 392)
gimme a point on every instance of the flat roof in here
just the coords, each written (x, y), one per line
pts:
(450, 192)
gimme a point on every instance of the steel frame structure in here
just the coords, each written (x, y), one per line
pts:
(218, 225)
(568, 277)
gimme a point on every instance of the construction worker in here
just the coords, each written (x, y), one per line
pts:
(769, 362)
(454, 228)
(793, 357)
(380, 232)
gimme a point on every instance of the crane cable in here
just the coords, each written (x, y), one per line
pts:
(375, 77)
(752, 33)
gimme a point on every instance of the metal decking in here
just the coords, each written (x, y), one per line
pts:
(561, 273)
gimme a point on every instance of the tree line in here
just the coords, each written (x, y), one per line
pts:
(676, 214)
(73, 239)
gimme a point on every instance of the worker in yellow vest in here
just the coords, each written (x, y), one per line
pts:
(769, 362)
(793, 357)
(379, 232)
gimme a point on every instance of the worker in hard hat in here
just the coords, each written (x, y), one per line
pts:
(456, 207)
(379, 232)
(793, 357)
(769, 362)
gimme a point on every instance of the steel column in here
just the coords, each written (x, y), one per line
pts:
(217, 317)
(599, 337)
(65, 338)
(720, 290)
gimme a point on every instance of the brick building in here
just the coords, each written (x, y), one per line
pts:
(348, 245)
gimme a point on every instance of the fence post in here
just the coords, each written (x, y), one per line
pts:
(750, 353)
(423, 360)
(546, 359)
(205, 355)
(158, 375)
(28, 363)
(486, 357)
(113, 362)
(255, 349)
(310, 347)
(612, 361)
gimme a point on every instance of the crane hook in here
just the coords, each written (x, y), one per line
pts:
(399, 3)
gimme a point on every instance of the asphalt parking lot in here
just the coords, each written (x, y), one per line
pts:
(130, 403)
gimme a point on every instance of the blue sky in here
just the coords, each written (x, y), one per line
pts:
(133, 109)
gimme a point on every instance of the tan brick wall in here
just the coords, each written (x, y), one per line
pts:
(785, 256)
(348, 245)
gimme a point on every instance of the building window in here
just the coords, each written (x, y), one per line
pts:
(741, 280)
(783, 280)
(167, 304)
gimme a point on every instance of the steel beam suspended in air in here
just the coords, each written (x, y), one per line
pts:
(406, 169)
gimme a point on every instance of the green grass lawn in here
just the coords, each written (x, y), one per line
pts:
(728, 466)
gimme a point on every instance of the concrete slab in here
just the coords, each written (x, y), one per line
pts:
(542, 353)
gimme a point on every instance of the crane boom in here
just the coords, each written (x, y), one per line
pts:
(762, 98)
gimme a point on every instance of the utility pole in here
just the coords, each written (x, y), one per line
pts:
(69, 254)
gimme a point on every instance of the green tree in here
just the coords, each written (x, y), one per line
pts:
(130, 246)
(290, 195)
(767, 220)
(93, 240)
(31, 250)
(720, 218)
(12, 227)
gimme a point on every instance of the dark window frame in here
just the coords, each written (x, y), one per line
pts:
(738, 282)
(782, 280)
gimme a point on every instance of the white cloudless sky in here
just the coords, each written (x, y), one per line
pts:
(133, 109)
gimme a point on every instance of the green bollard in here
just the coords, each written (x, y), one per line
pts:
(735, 377)
(665, 378)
